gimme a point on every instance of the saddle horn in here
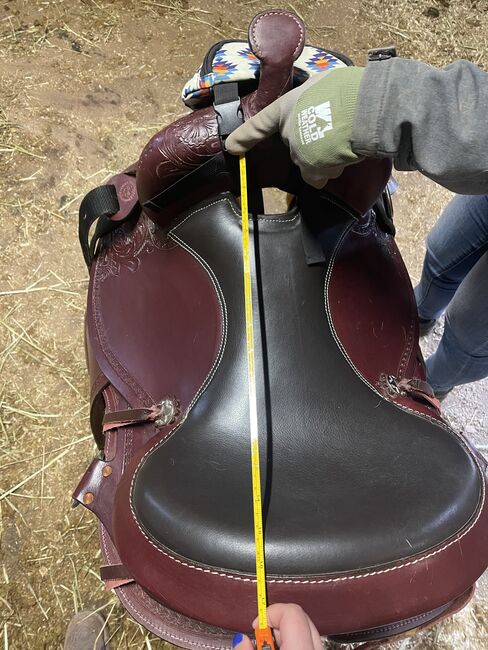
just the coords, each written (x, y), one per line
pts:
(180, 165)
(277, 39)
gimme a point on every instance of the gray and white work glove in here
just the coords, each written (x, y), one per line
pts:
(315, 121)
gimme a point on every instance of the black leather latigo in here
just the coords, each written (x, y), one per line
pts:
(375, 510)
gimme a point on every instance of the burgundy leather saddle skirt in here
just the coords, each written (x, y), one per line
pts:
(375, 512)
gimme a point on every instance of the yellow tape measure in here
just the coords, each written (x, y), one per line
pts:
(264, 637)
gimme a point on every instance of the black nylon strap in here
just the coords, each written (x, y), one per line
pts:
(383, 209)
(200, 176)
(100, 203)
(314, 253)
(227, 105)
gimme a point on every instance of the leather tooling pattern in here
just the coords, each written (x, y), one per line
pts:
(124, 247)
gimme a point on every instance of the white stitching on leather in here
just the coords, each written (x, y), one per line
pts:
(226, 199)
(223, 313)
(363, 379)
(222, 304)
(360, 576)
(218, 358)
(278, 220)
(274, 13)
(204, 207)
(373, 388)
(122, 596)
(309, 581)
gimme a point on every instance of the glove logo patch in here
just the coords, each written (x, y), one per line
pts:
(314, 122)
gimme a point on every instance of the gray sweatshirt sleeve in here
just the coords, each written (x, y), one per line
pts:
(426, 119)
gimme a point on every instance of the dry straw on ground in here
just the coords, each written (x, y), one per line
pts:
(83, 84)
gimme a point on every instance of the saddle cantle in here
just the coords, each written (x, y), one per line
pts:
(375, 512)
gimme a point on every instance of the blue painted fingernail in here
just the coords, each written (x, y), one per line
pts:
(237, 639)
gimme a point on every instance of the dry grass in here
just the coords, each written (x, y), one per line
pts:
(435, 31)
(84, 83)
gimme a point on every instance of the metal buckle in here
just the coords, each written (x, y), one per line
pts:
(391, 385)
(382, 53)
(227, 105)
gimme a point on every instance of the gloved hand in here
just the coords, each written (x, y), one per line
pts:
(315, 121)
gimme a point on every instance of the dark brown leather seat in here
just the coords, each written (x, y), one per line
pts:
(369, 495)
(354, 482)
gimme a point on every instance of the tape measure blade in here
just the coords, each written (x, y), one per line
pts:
(253, 411)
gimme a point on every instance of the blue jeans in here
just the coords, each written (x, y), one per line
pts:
(455, 280)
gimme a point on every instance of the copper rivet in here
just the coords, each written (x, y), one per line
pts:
(107, 470)
(88, 498)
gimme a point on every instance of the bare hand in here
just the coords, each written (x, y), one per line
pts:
(293, 629)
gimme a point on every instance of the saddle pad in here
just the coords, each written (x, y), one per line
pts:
(234, 61)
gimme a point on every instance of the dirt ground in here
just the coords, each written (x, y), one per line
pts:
(83, 85)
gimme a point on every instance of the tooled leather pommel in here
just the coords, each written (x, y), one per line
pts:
(277, 38)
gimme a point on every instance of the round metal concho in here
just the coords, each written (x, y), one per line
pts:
(169, 411)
